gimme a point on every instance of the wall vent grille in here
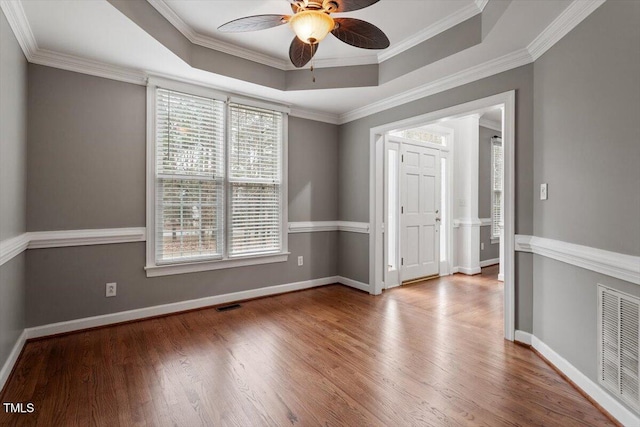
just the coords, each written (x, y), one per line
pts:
(619, 344)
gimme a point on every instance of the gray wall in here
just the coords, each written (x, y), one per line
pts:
(13, 142)
(587, 148)
(86, 151)
(491, 250)
(86, 169)
(313, 170)
(587, 132)
(353, 157)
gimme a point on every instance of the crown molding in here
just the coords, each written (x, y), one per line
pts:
(209, 42)
(504, 63)
(19, 24)
(88, 66)
(490, 124)
(574, 14)
(432, 30)
(480, 4)
(138, 77)
(318, 116)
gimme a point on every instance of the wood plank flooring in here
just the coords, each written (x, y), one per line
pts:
(427, 354)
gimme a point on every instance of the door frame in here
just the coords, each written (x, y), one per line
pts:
(376, 192)
(446, 152)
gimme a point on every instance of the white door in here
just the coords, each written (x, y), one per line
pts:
(420, 212)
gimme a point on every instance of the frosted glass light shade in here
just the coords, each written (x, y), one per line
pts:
(311, 26)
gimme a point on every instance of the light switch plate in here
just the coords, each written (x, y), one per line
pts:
(543, 192)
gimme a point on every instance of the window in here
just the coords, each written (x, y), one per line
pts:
(497, 173)
(420, 134)
(216, 193)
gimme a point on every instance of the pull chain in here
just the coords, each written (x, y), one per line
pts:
(313, 74)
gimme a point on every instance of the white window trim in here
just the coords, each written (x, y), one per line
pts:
(155, 270)
(496, 238)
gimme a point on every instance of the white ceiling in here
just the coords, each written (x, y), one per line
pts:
(494, 115)
(399, 19)
(95, 30)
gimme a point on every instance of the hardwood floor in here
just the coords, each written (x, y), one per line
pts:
(425, 354)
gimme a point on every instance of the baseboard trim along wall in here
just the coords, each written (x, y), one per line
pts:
(5, 372)
(614, 264)
(580, 380)
(160, 310)
(467, 271)
(489, 262)
(354, 284)
(176, 307)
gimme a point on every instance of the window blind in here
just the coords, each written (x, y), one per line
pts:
(190, 177)
(496, 186)
(255, 180)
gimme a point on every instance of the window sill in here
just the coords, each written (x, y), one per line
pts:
(195, 267)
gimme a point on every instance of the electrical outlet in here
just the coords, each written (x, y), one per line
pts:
(482, 246)
(300, 261)
(111, 289)
(543, 191)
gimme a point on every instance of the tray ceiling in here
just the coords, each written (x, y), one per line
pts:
(399, 19)
(96, 38)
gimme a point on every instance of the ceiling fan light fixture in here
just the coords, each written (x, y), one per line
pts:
(311, 26)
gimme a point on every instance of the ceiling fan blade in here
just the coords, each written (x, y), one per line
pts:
(294, 6)
(301, 53)
(360, 34)
(350, 5)
(253, 23)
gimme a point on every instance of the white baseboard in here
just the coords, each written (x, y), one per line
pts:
(489, 262)
(467, 271)
(353, 284)
(12, 359)
(590, 387)
(159, 310)
(523, 337)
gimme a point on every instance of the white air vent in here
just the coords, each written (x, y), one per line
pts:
(619, 344)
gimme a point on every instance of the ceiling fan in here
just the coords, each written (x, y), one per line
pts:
(312, 22)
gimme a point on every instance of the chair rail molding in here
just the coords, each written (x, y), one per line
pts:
(614, 264)
(105, 236)
(318, 226)
(10, 248)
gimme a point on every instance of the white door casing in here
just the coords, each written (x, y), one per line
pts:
(420, 209)
(392, 213)
(376, 196)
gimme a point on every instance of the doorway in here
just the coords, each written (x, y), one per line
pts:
(416, 235)
(381, 136)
